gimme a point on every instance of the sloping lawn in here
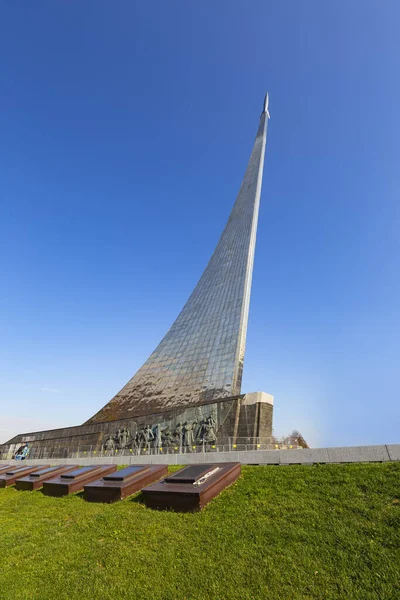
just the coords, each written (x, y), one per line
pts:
(296, 532)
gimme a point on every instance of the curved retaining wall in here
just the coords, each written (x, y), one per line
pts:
(350, 454)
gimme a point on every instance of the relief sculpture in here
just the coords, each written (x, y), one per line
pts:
(167, 438)
(188, 438)
(195, 429)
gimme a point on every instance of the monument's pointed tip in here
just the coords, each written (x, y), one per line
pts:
(266, 100)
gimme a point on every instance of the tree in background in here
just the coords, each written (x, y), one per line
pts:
(293, 439)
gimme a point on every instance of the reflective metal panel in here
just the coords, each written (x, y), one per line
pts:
(201, 356)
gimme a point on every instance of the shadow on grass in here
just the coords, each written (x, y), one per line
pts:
(75, 494)
(138, 498)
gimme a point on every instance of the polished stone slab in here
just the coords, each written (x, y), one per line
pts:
(190, 474)
(258, 457)
(393, 451)
(358, 454)
(190, 489)
(11, 475)
(123, 483)
(35, 480)
(304, 456)
(75, 480)
(4, 468)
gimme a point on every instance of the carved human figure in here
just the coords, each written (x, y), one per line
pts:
(22, 452)
(146, 437)
(213, 418)
(124, 438)
(198, 425)
(209, 435)
(178, 433)
(118, 439)
(135, 441)
(140, 438)
(157, 437)
(167, 437)
(188, 439)
(110, 444)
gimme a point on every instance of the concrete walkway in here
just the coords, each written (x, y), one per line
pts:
(350, 454)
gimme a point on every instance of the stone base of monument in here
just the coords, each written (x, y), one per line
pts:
(123, 483)
(12, 474)
(35, 480)
(75, 480)
(5, 468)
(227, 419)
(191, 488)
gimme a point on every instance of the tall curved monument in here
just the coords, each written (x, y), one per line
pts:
(201, 356)
(192, 380)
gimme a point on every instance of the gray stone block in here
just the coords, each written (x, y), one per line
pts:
(304, 456)
(141, 460)
(291, 457)
(358, 454)
(161, 459)
(317, 455)
(393, 451)
(222, 457)
(108, 460)
(192, 459)
(270, 457)
(38, 462)
(260, 457)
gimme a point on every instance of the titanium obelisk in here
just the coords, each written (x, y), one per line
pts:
(200, 359)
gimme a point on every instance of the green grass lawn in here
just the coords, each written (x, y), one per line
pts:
(297, 532)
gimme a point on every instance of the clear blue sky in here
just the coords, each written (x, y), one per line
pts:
(125, 131)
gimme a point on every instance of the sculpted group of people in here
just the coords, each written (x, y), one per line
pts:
(184, 436)
(118, 441)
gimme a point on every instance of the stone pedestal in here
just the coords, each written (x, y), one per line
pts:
(243, 419)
